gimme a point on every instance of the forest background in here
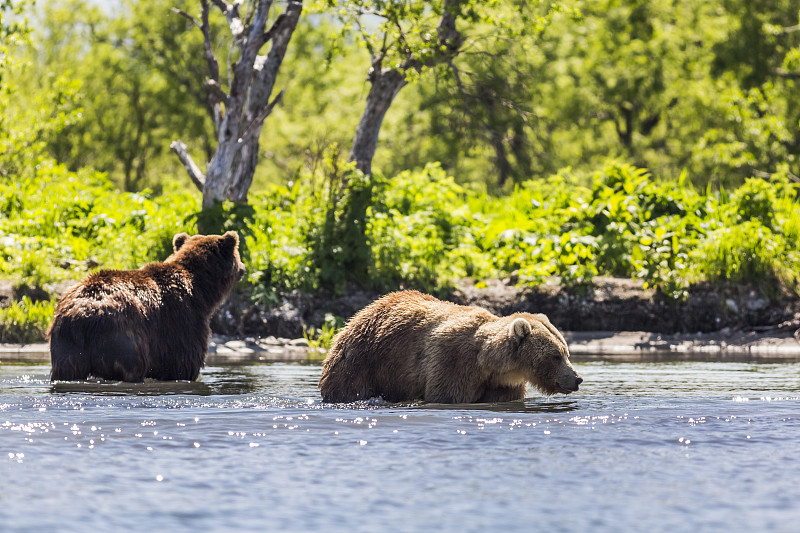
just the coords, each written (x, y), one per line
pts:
(529, 141)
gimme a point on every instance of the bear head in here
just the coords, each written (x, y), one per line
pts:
(542, 354)
(218, 254)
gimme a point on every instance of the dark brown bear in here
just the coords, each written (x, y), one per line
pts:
(153, 322)
(411, 346)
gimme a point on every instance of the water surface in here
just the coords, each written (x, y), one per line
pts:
(683, 446)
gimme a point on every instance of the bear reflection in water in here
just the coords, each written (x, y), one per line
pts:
(128, 325)
(411, 346)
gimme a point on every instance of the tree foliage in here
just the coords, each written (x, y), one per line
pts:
(709, 87)
(655, 84)
(129, 92)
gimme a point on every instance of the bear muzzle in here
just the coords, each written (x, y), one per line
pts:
(569, 385)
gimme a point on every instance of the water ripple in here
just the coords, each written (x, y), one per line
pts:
(645, 446)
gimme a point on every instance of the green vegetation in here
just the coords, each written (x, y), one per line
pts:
(424, 230)
(25, 321)
(605, 138)
(57, 225)
(320, 340)
(707, 87)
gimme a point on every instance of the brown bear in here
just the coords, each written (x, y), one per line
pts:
(408, 346)
(128, 325)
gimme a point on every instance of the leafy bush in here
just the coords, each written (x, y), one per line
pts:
(748, 252)
(323, 338)
(337, 234)
(421, 232)
(56, 225)
(755, 200)
(279, 255)
(627, 224)
(25, 321)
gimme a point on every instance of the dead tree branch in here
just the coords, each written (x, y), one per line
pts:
(214, 101)
(186, 15)
(197, 176)
(260, 118)
(216, 90)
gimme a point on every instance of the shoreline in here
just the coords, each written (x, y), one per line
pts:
(615, 346)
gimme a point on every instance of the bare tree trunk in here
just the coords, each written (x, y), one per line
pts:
(386, 84)
(625, 135)
(239, 116)
(245, 162)
(500, 156)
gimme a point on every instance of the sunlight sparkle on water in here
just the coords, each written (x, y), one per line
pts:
(637, 453)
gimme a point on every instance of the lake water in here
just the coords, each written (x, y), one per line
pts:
(682, 446)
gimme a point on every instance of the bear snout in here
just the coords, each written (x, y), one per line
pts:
(570, 385)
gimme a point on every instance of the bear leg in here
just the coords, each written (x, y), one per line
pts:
(116, 358)
(503, 394)
(69, 362)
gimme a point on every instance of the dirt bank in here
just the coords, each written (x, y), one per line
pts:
(609, 304)
(610, 312)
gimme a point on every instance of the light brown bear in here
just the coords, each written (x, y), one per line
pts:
(408, 346)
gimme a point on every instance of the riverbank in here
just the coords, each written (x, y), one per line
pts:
(607, 304)
(613, 318)
(583, 345)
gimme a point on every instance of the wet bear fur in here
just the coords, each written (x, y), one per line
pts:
(128, 325)
(408, 346)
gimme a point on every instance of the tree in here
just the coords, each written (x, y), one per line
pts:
(411, 38)
(472, 47)
(627, 68)
(240, 112)
(128, 106)
(753, 126)
(321, 104)
(405, 44)
(486, 108)
(757, 39)
(13, 32)
(27, 121)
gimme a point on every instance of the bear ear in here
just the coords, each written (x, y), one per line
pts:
(521, 328)
(230, 241)
(178, 240)
(542, 317)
